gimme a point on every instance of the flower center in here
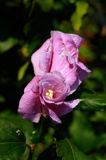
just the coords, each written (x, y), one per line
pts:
(49, 93)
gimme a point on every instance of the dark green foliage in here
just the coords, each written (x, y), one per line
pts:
(12, 141)
(68, 151)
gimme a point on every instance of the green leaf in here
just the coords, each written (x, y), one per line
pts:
(12, 141)
(8, 44)
(45, 4)
(99, 117)
(2, 99)
(87, 53)
(68, 151)
(38, 151)
(26, 154)
(81, 10)
(96, 102)
(25, 125)
(22, 71)
(81, 131)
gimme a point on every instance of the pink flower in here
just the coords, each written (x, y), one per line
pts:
(45, 95)
(60, 53)
(58, 74)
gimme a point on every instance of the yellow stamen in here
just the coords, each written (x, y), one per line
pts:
(49, 93)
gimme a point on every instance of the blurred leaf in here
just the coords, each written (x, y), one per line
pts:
(22, 71)
(97, 74)
(48, 138)
(96, 102)
(81, 132)
(87, 54)
(2, 99)
(81, 10)
(101, 141)
(45, 144)
(26, 3)
(68, 151)
(46, 5)
(26, 154)
(100, 157)
(12, 141)
(11, 3)
(57, 5)
(38, 150)
(99, 116)
(28, 48)
(72, 1)
(8, 44)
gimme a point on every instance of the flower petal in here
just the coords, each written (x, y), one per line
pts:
(41, 59)
(70, 42)
(55, 83)
(30, 107)
(77, 39)
(33, 84)
(74, 86)
(53, 116)
(66, 107)
(60, 58)
(83, 71)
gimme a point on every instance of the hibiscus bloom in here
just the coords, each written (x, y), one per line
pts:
(58, 74)
(45, 95)
(60, 53)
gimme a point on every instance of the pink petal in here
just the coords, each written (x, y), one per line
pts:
(77, 39)
(53, 116)
(66, 107)
(29, 106)
(70, 42)
(33, 84)
(41, 59)
(83, 71)
(60, 59)
(74, 86)
(54, 81)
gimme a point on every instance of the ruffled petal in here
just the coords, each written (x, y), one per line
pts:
(30, 106)
(69, 43)
(60, 60)
(41, 59)
(77, 39)
(55, 83)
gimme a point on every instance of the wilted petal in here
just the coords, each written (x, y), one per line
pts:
(30, 107)
(41, 59)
